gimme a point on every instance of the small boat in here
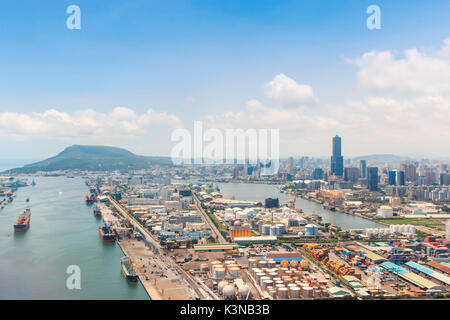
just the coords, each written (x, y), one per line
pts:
(89, 199)
(28, 200)
(128, 269)
(33, 183)
(97, 211)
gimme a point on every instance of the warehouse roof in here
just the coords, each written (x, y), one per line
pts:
(434, 274)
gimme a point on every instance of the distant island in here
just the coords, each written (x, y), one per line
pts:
(93, 158)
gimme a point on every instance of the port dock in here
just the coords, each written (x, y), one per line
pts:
(159, 275)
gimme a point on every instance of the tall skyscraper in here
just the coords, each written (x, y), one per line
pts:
(372, 178)
(410, 171)
(318, 174)
(362, 169)
(392, 178)
(401, 178)
(290, 165)
(351, 174)
(337, 161)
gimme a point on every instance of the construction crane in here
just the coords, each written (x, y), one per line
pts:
(292, 203)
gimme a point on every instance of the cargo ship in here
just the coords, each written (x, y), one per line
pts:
(97, 212)
(127, 269)
(23, 223)
(106, 233)
(89, 199)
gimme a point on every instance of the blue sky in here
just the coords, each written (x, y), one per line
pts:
(195, 58)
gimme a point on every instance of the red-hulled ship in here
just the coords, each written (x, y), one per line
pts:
(89, 199)
(23, 223)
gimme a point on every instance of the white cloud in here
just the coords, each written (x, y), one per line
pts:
(56, 124)
(288, 92)
(413, 72)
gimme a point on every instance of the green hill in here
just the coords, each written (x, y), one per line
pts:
(93, 158)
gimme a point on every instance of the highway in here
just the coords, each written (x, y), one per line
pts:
(208, 219)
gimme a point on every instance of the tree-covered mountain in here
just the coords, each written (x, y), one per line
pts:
(93, 158)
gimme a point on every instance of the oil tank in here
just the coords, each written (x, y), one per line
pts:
(243, 291)
(283, 293)
(294, 292)
(228, 292)
(221, 285)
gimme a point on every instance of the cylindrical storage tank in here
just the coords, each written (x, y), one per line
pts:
(271, 263)
(252, 263)
(235, 272)
(274, 231)
(221, 285)
(228, 292)
(310, 230)
(273, 293)
(262, 279)
(273, 275)
(283, 293)
(262, 264)
(204, 267)
(281, 228)
(259, 275)
(293, 263)
(294, 292)
(267, 283)
(265, 229)
(219, 273)
(284, 265)
(308, 292)
(244, 291)
(304, 265)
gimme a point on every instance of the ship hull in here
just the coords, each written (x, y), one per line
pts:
(129, 277)
(21, 227)
(106, 237)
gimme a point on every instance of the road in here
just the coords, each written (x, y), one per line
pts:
(208, 220)
(163, 258)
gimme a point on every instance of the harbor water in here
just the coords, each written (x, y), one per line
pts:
(63, 232)
(259, 192)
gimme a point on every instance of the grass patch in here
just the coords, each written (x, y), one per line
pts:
(430, 223)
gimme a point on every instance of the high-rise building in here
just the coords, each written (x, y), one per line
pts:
(351, 174)
(290, 165)
(337, 161)
(362, 169)
(444, 179)
(318, 174)
(401, 178)
(392, 178)
(410, 171)
(372, 178)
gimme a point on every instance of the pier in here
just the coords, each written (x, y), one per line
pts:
(161, 277)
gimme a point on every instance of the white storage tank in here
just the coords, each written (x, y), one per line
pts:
(228, 292)
(274, 231)
(244, 291)
(283, 293)
(221, 285)
(265, 229)
(310, 230)
(308, 292)
(281, 227)
(294, 292)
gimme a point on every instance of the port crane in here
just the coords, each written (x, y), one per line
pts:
(292, 203)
